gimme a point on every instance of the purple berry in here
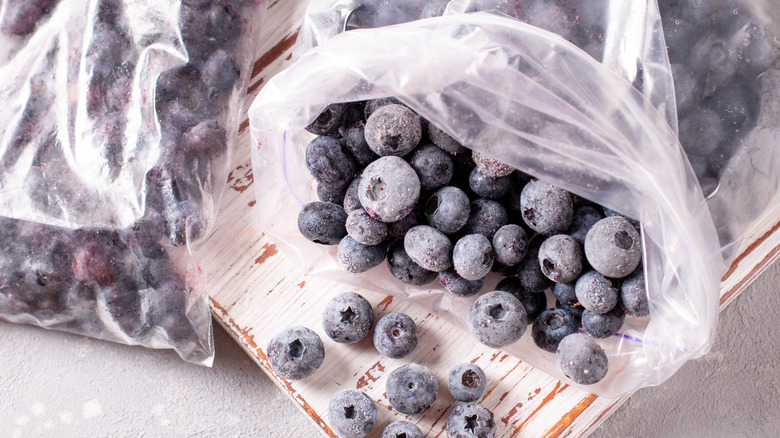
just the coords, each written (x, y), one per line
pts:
(356, 257)
(613, 247)
(389, 189)
(560, 258)
(352, 413)
(434, 167)
(603, 325)
(581, 359)
(365, 229)
(348, 318)
(551, 327)
(448, 209)
(405, 269)
(395, 335)
(458, 285)
(429, 248)
(633, 295)
(411, 389)
(472, 256)
(486, 218)
(393, 130)
(401, 429)
(471, 420)
(510, 244)
(328, 163)
(295, 353)
(595, 292)
(546, 209)
(467, 382)
(497, 319)
(322, 222)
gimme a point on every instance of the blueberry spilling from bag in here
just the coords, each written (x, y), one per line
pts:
(422, 203)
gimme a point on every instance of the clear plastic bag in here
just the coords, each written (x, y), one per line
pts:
(113, 160)
(531, 99)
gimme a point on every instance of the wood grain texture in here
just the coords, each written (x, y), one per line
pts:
(255, 291)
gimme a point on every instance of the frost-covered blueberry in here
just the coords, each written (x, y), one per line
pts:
(510, 244)
(467, 382)
(429, 248)
(633, 295)
(328, 163)
(551, 327)
(534, 303)
(486, 218)
(295, 353)
(389, 189)
(356, 257)
(458, 285)
(329, 120)
(405, 269)
(575, 309)
(220, 72)
(331, 194)
(595, 292)
(355, 142)
(613, 247)
(322, 222)
(490, 166)
(399, 228)
(560, 258)
(348, 318)
(471, 420)
(375, 104)
(611, 213)
(702, 130)
(545, 208)
(448, 209)
(351, 197)
(401, 429)
(530, 272)
(585, 216)
(411, 389)
(564, 292)
(472, 256)
(395, 335)
(443, 140)
(393, 130)
(365, 229)
(489, 187)
(433, 166)
(497, 319)
(603, 325)
(581, 359)
(352, 413)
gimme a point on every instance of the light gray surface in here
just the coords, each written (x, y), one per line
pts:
(59, 385)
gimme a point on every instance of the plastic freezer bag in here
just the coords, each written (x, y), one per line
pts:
(500, 86)
(113, 158)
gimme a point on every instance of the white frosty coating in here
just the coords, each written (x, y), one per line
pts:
(389, 188)
(92, 409)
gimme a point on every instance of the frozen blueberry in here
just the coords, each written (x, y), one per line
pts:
(322, 222)
(401, 429)
(472, 256)
(560, 258)
(207, 139)
(611, 213)
(393, 130)
(22, 16)
(551, 327)
(405, 269)
(365, 229)
(458, 285)
(411, 389)
(389, 189)
(295, 353)
(328, 163)
(331, 194)
(375, 104)
(603, 325)
(471, 420)
(329, 120)
(546, 209)
(534, 303)
(633, 296)
(490, 166)
(575, 309)
(564, 292)
(348, 318)
(595, 292)
(352, 413)
(395, 335)
(702, 131)
(613, 247)
(429, 248)
(510, 244)
(530, 272)
(585, 216)
(467, 382)
(356, 257)
(448, 209)
(486, 218)
(399, 228)
(497, 319)
(220, 72)
(489, 187)
(356, 143)
(443, 140)
(433, 166)
(351, 198)
(581, 359)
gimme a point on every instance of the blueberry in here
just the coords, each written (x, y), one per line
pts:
(510, 244)
(401, 429)
(377, 13)
(610, 213)
(443, 140)
(534, 303)
(530, 272)
(351, 198)
(355, 141)
(322, 222)
(753, 49)
(458, 285)
(490, 166)
(546, 209)
(411, 389)
(613, 247)
(490, 187)
(375, 104)
(471, 420)
(399, 228)
(585, 217)
(329, 120)
(333, 195)
(328, 163)
(356, 257)
(551, 327)
(352, 413)
(687, 90)
(448, 209)
(365, 229)
(560, 258)
(295, 353)
(486, 218)
(209, 28)
(467, 382)
(395, 335)
(497, 319)
(91, 263)
(434, 167)
(220, 72)
(405, 269)
(564, 292)
(207, 139)
(166, 305)
(575, 309)
(429, 248)
(393, 130)
(603, 325)
(581, 359)
(595, 292)
(433, 8)
(633, 295)
(22, 16)
(702, 131)
(472, 256)
(348, 318)
(389, 189)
